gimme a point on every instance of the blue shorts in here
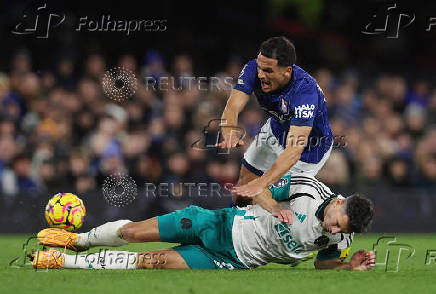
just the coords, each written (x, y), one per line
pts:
(205, 236)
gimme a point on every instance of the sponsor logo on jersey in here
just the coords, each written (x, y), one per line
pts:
(281, 183)
(284, 233)
(304, 111)
(240, 81)
(301, 217)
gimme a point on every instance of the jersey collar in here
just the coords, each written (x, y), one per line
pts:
(320, 211)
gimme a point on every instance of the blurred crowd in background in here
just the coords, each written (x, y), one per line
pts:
(60, 133)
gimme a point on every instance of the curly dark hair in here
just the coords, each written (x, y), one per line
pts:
(360, 211)
(279, 48)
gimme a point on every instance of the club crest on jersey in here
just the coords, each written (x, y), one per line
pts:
(284, 106)
(322, 241)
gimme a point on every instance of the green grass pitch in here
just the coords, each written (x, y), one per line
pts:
(413, 275)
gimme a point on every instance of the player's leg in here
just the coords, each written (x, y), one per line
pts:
(175, 227)
(114, 234)
(162, 259)
(108, 234)
(143, 231)
(206, 236)
(109, 259)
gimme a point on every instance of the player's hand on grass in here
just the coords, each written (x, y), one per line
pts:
(363, 260)
(284, 215)
(250, 189)
(231, 138)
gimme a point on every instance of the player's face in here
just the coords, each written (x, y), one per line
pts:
(335, 217)
(271, 75)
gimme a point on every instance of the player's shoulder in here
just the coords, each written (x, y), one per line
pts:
(302, 75)
(307, 185)
(247, 77)
(251, 65)
(249, 69)
(304, 82)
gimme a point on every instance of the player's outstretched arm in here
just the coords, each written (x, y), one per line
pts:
(296, 142)
(362, 260)
(266, 201)
(235, 105)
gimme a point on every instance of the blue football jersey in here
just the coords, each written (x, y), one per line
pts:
(299, 103)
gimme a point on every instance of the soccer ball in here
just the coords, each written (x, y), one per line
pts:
(65, 211)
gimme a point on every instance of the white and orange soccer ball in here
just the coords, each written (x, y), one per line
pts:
(65, 211)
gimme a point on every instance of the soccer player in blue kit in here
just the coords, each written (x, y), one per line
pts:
(297, 137)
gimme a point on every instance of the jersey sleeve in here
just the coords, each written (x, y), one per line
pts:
(305, 105)
(339, 250)
(280, 190)
(247, 77)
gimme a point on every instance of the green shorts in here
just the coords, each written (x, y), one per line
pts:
(205, 236)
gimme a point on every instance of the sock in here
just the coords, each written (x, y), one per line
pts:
(104, 259)
(107, 234)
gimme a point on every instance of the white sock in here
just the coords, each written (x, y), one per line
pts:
(107, 234)
(104, 259)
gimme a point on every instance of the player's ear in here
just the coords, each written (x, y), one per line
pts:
(340, 201)
(288, 71)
